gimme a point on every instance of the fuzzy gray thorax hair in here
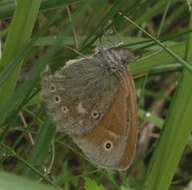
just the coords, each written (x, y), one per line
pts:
(115, 60)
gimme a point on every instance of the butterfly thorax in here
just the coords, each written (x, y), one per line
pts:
(114, 60)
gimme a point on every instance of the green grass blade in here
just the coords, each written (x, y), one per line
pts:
(10, 151)
(18, 37)
(175, 17)
(7, 9)
(8, 181)
(98, 32)
(20, 29)
(91, 184)
(178, 58)
(175, 135)
(157, 8)
(25, 88)
(42, 144)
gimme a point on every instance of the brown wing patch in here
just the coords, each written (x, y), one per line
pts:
(113, 122)
(114, 132)
(133, 131)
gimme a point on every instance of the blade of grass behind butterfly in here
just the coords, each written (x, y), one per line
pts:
(12, 152)
(98, 30)
(24, 89)
(83, 7)
(78, 14)
(20, 29)
(152, 118)
(165, 14)
(157, 62)
(46, 132)
(47, 4)
(10, 181)
(175, 17)
(157, 59)
(5, 75)
(7, 8)
(176, 132)
(165, 48)
(18, 36)
(41, 149)
(23, 54)
(158, 7)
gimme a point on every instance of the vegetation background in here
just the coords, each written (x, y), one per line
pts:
(37, 33)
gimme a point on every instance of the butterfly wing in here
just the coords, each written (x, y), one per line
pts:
(130, 149)
(112, 144)
(78, 95)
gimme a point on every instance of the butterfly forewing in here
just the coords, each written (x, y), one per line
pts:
(78, 95)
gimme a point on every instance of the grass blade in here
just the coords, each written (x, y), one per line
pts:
(175, 135)
(8, 181)
(18, 36)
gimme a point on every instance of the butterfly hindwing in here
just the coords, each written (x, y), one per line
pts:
(112, 143)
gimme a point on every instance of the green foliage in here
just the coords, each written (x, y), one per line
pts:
(37, 33)
(92, 185)
(8, 181)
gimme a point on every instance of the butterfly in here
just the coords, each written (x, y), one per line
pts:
(92, 99)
